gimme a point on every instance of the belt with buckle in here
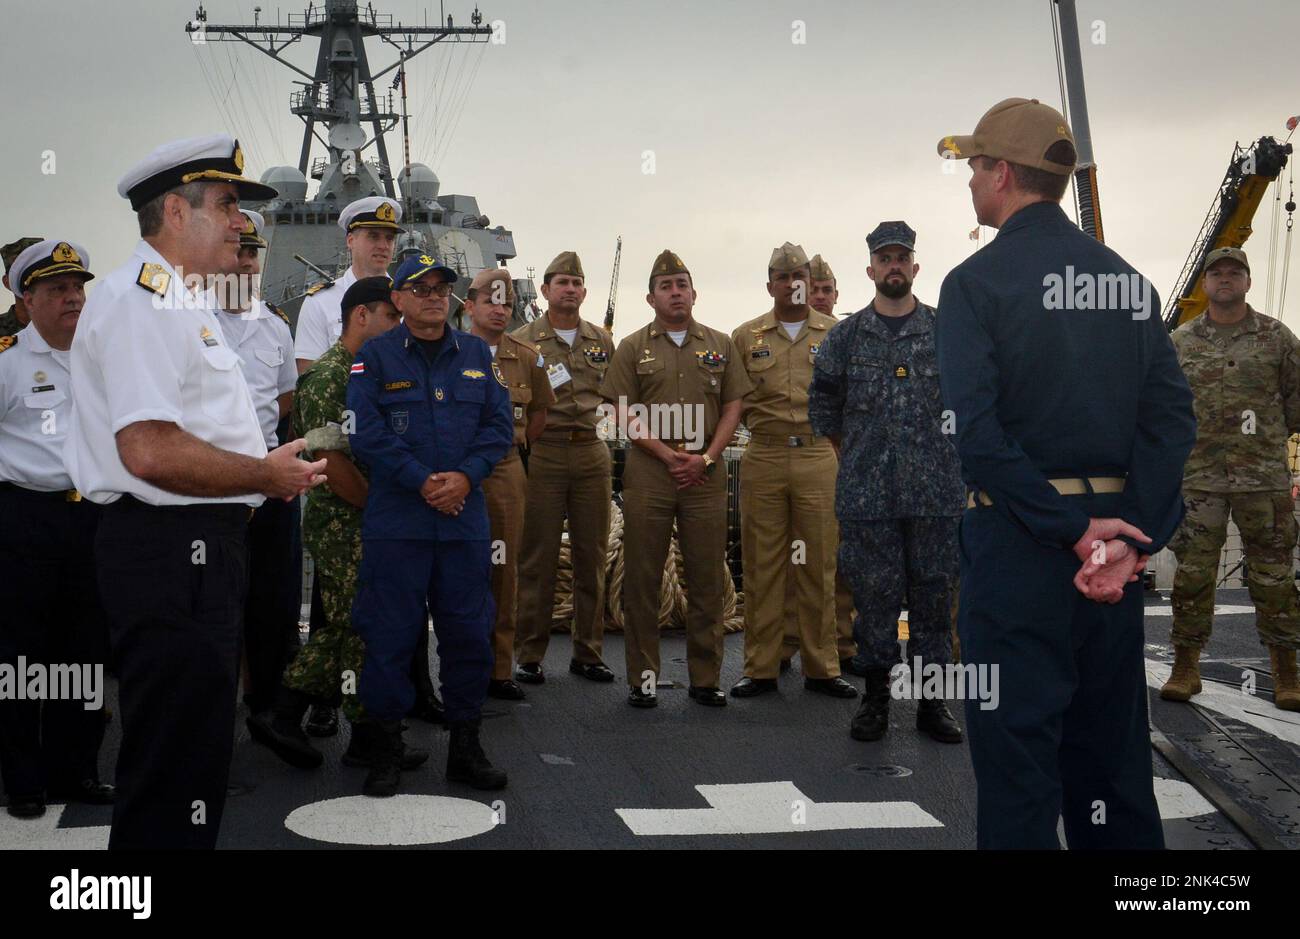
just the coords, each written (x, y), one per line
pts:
(60, 495)
(1068, 486)
(569, 436)
(776, 440)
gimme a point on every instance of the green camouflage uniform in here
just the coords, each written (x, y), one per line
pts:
(9, 322)
(1246, 382)
(331, 531)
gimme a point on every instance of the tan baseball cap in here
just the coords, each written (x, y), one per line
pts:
(788, 257)
(1232, 254)
(566, 262)
(820, 269)
(484, 279)
(1018, 130)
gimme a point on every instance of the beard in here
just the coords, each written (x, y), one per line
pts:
(894, 289)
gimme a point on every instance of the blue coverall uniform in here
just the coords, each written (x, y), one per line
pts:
(413, 418)
(1044, 392)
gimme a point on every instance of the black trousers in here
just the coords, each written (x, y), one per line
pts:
(274, 599)
(50, 616)
(174, 580)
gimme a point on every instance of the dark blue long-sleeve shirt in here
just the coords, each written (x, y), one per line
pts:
(414, 417)
(1056, 367)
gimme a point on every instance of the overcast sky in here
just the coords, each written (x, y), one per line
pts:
(756, 139)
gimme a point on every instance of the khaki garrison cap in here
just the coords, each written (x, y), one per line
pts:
(666, 263)
(481, 288)
(1232, 254)
(566, 262)
(1018, 130)
(820, 269)
(788, 257)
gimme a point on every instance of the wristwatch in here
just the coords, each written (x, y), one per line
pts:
(709, 463)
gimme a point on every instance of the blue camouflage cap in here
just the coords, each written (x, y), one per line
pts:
(892, 233)
(416, 266)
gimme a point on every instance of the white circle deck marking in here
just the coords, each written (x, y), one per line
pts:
(401, 820)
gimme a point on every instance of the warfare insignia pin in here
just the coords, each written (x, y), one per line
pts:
(473, 373)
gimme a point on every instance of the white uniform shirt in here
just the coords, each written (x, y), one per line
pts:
(35, 402)
(138, 356)
(320, 319)
(265, 349)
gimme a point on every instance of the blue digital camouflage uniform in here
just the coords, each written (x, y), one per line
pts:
(898, 493)
(1044, 392)
(414, 418)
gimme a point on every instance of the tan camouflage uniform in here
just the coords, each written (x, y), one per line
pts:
(1246, 382)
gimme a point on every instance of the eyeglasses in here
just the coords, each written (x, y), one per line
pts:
(424, 291)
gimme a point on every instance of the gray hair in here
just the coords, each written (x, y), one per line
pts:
(150, 215)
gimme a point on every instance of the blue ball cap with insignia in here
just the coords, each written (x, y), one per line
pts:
(216, 158)
(417, 265)
(892, 233)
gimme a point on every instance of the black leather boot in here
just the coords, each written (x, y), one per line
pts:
(365, 743)
(934, 718)
(281, 729)
(872, 719)
(386, 758)
(466, 761)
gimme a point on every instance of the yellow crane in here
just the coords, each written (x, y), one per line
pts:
(1228, 223)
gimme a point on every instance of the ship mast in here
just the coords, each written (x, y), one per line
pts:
(340, 94)
(1085, 174)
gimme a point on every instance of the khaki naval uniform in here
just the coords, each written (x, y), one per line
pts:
(568, 475)
(787, 495)
(506, 491)
(703, 374)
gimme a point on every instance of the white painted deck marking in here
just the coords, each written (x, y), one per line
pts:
(1252, 709)
(401, 820)
(1178, 799)
(44, 833)
(771, 808)
(1226, 610)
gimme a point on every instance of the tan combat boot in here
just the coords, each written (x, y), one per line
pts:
(1185, 679)
(1286, 687)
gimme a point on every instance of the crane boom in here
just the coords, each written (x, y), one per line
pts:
(1228, 222)
(613, 285)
